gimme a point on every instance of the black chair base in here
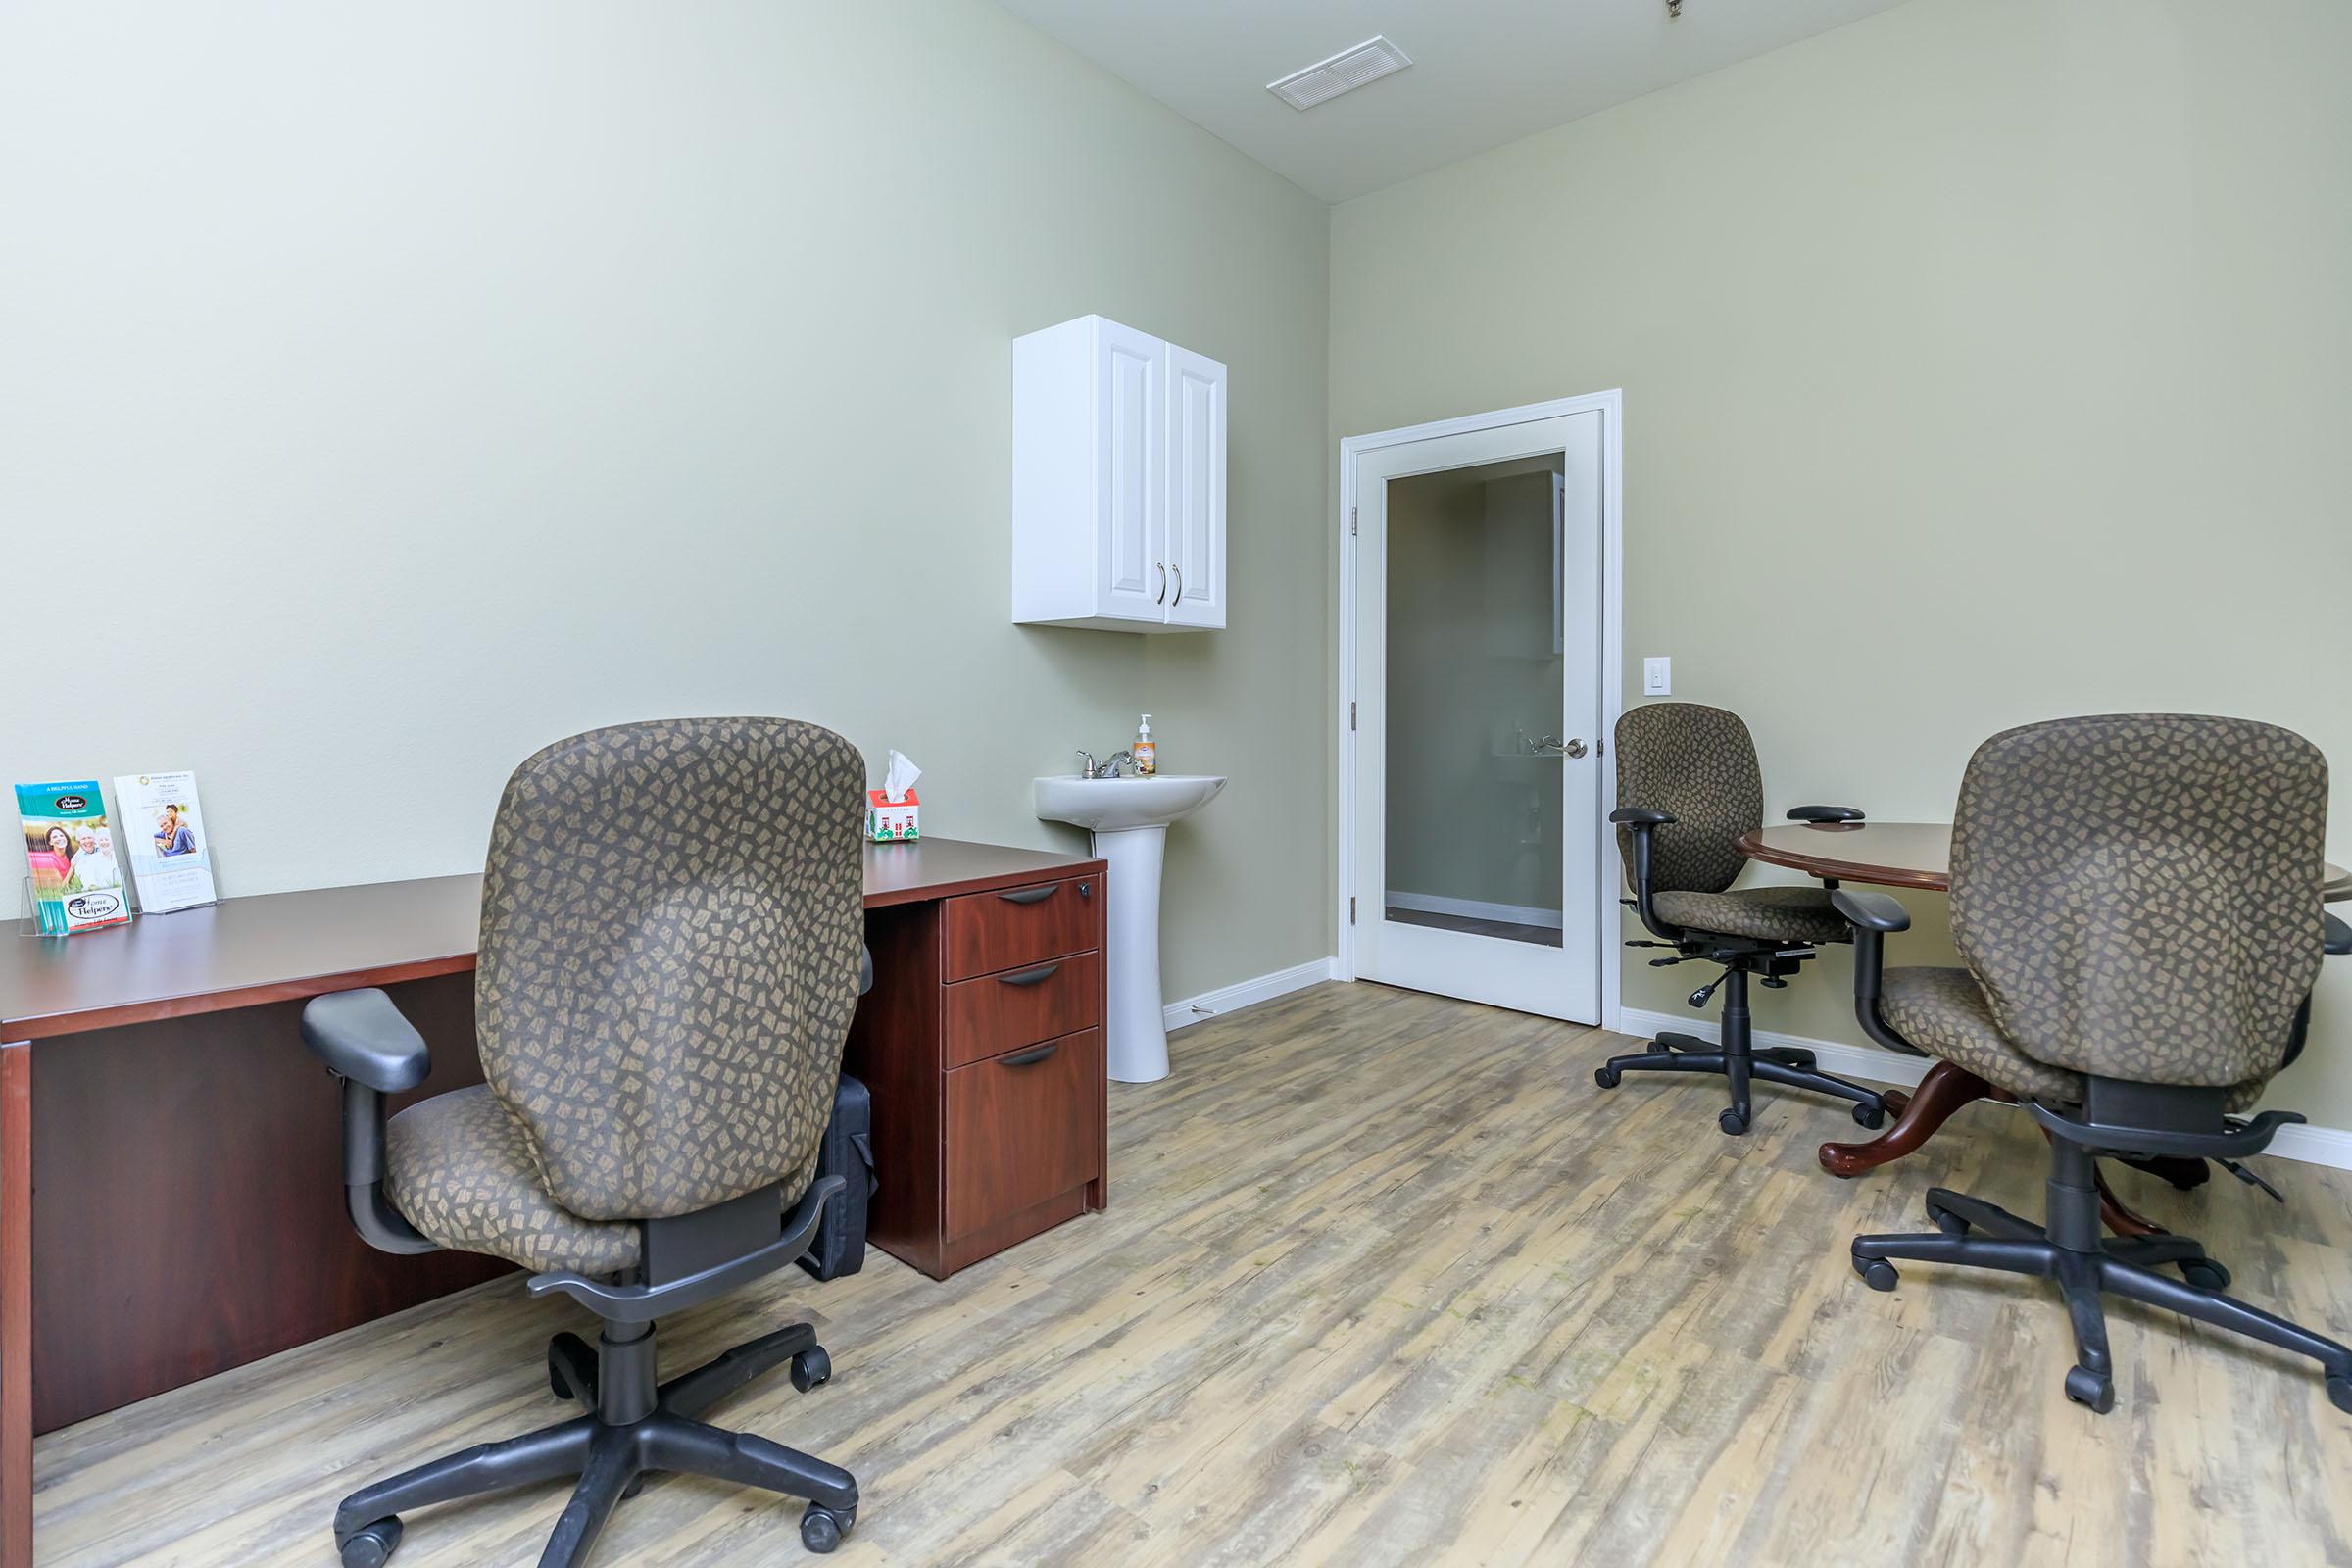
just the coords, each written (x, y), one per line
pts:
(2088, 1265)
(1737, 1060)
(632, 1429)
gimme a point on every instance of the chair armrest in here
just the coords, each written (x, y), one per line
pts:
(1872, 911)
(361, 1036)
(1872, 915)
(1824, 813)
(2338, 941)
(1644, 823)
(366, 1042)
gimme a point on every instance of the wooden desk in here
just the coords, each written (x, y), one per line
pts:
(170, 1156)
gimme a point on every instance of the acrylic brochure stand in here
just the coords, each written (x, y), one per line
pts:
(29, 922)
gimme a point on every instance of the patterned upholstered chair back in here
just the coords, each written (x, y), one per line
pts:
(672, 922)
(2138, 893)
(1698, 763)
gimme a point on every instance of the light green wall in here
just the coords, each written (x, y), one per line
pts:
(389, 390)
(1983, 361)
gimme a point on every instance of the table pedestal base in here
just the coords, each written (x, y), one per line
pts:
(1943, 1091)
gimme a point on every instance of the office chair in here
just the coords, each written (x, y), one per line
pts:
(671, 945)
(2136, 901)
(1689, 787)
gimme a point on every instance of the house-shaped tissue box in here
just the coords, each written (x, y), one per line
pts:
(888, 820)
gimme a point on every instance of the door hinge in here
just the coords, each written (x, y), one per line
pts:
(1352, 518)
(1352, 909)
(1351, 715)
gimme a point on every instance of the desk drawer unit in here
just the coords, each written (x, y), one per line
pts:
(982, 1042)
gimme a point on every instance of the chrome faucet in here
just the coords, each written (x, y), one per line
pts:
(1110, 767)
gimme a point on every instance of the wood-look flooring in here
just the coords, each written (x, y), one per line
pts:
(1385, 1279)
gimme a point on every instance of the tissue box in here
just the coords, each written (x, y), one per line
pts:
(888, 820)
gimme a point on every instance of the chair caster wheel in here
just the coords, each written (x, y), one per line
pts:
(371, 1545)
(1732, 1123)
(581, 1355)
(2204, 1273)
(1877, 1273)
(1944, 1220)
(2339, 1393)
(1871, 1117)
(821, 1529)
(1606, 1077)
(810, 1369)
(2088, 1387)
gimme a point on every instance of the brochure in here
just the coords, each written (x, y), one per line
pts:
(162, 832)
(76, 881)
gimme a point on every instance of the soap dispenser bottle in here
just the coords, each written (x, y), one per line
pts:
(1146, 754)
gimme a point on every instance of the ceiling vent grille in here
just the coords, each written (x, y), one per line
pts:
(1343, 71)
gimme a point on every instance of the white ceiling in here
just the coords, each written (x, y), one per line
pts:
(1484, 72)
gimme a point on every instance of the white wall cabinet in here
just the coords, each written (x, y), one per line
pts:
(1118, 481)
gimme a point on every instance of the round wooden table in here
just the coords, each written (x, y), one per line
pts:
(1897, 855)
(1919, 856)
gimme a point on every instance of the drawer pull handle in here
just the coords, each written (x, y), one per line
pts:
(1030, 978)
(1030, 1058)
(1028, 895)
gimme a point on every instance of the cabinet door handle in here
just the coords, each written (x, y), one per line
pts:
(1037, 894)
(1161, 597)
(1029, 1058)
(1179, 571)
(1030, 978)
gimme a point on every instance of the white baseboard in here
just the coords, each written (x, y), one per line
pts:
(1208, 1003)
(2316, 1145)
(1473, 909)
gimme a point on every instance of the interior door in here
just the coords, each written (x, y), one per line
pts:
(1131, 501)
(1478, 851)
(1195, 516)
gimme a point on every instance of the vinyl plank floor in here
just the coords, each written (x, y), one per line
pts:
(1385, 1279)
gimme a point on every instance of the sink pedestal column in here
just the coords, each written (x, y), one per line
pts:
(1138, 1032)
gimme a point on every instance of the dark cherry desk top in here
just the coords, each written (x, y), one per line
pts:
(274, 946)
(1896, 855)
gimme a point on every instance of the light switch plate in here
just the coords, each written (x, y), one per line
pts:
(1657, 677)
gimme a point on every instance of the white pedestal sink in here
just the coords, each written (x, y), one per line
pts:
(1129, 820)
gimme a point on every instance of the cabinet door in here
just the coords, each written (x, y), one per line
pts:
(1130, 481)
(1195, 506)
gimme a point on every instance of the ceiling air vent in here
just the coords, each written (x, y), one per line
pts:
(1343, 71)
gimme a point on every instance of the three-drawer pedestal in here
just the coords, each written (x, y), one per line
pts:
(982, 1042)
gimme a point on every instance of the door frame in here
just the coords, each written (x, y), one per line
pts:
(1611, 407)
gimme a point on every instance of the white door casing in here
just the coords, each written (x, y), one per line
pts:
(1578, 978)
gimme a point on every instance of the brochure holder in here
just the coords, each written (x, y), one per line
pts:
(29, 924)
